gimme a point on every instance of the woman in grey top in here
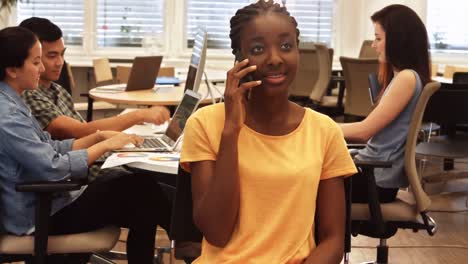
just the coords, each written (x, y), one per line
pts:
(402, 45)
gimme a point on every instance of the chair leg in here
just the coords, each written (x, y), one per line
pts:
(382, 252)
(89, 113)
(99, 259)
(172, 256)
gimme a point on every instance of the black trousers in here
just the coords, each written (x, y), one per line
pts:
(128, 200)
(360, 193)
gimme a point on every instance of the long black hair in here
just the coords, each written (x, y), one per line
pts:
(15, 43)
(406, 42)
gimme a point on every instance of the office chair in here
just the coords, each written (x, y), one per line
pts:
(318, 100)
(183, 228)
(66, 79)
(367, 52)
(460, 77)
(356, 72)
(409, 210)
(307, 73)
(36, 248)
(102, 76)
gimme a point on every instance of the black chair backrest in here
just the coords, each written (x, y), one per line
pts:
(460, 77)
(448, 106)
(64, 79)
(182, 225)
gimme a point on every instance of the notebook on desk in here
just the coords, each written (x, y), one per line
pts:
(171, 137)
(142, 75)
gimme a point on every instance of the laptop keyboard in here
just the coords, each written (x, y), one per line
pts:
(152, 143)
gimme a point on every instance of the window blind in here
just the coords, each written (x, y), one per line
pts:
(315, 19)
(67, 14)
(445, 26)
(135, 23)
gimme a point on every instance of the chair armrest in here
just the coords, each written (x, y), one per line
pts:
(367, 168)
(50, 187)
(44, 196)
(355, 145)
(371, 164)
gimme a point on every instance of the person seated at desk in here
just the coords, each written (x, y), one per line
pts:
(263, 167)
(402, 45)
(52, 105)
(28, 154)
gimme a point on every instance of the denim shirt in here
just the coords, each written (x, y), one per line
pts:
(28, 154)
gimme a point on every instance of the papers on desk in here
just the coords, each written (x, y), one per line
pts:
(147, 129)
(154, 161)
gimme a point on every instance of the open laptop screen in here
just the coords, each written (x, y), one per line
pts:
(180, 117)
(197, 61)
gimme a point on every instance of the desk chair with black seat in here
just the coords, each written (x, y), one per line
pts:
(409, 210)
(36, 248)
(183, 228)
(460, 77)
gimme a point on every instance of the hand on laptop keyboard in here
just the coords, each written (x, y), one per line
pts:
(129, 146)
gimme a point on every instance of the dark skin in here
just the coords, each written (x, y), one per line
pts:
(269, 44)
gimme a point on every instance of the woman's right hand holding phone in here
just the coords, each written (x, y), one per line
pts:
(234, 94)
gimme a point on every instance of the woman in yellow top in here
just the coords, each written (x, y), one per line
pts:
(262, 166)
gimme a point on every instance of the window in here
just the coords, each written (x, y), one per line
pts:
(315, 19)
(131, 23)
(214, 16)
(67, 14)
(445, 26)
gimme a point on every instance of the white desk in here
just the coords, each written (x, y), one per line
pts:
(151, 161)
(165, 96)
(442, 79)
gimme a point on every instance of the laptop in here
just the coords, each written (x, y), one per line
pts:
(197, 60)
(374, 87)
(142, 75)
(171, 137)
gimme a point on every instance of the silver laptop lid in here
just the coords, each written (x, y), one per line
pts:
(197, 61)
(186, 107)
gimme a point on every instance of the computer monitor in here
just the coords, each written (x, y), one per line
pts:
(197, 61)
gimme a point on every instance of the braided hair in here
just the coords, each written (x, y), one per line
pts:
(247, 13)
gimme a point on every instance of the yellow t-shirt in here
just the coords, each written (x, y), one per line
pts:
(279, 178)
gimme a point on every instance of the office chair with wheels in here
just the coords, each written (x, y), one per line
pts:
(39, 247)
(183, 228)
(409, 210)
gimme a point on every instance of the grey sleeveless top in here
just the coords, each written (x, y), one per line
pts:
(389, 144)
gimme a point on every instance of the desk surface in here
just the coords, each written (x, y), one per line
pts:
(163, 96)
(442, 79)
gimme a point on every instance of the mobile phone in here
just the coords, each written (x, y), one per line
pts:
(248, 77)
